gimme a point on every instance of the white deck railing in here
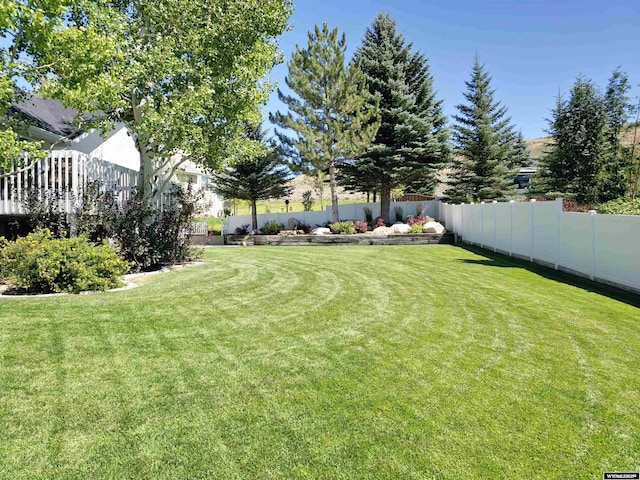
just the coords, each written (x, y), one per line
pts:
(66, 173)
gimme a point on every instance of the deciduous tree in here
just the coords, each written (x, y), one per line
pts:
(183, 76)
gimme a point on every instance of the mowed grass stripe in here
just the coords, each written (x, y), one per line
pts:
(337, 362)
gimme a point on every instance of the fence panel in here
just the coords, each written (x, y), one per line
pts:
(617, 249)
(545, 232)
(503, 227)
(574, 247)
(521, 228)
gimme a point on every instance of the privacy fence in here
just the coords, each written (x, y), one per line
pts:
(604, 248)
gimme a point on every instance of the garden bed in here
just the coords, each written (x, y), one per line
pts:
(357, 239)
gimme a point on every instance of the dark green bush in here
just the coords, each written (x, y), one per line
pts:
(40, 263)
(343, 228)
(147, 236)
(621, 206)
(272, 228)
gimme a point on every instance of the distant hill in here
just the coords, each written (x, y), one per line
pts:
(538, 145)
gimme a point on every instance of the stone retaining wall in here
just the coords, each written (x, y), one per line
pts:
(358, 239)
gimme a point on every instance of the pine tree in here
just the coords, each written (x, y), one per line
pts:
(575, 162)
(252, 178)
(412, 142)
(520, 156)
(484, 144)
(618, 108)
(333, 116)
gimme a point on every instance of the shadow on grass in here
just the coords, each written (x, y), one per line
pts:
(502, 261)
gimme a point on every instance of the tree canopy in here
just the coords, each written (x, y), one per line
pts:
(183, 76)
(412, 141)
(484, 140)
(333, 115)
(254, 178)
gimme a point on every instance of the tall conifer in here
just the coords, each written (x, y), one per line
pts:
(484, 144)
(412, 142)
(333, 115)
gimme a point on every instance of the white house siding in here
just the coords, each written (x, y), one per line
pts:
(118, 147)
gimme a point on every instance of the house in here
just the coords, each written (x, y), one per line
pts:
(76, 158)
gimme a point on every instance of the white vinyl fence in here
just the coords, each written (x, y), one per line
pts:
(604, 248)
(65, 172)
(352, 211)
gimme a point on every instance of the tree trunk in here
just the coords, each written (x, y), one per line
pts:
(334, 193)
(254, 215)
(385, 202)
(375, 196)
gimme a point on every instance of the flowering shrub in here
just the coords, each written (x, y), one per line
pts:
(361, 226)
(379, 222)
(416, 220)
(39, 263)
(343, 228)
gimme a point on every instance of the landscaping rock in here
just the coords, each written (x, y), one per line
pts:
(433, 227)
(320, 231)
(382, 230)
(401, 228)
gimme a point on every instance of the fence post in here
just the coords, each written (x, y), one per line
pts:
(462, 226)
(533, 226)
(559, 213)
(495, 226)
(472, 234)
(511, 202)
(592, 223)
(482, 204)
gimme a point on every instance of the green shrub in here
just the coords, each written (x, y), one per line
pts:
(415, 228)
(307, 201)
(621, 206)
(368, 214)
(272, 228)
(343, 228)
(39, 263)
(147, 236)
(398, 212)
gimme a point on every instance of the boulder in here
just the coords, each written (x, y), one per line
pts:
(401, 228)
(382, 230)
(320, 231)
(433, 227)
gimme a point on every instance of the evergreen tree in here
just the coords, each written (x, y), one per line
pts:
(520, 156)
(333, 116)
(617, 110)
(575, 162)
(412, 142)
(484, 144)
(253, 178)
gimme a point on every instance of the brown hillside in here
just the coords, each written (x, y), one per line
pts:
(537, 146)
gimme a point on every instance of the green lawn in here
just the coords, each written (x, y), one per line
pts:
(335, 362)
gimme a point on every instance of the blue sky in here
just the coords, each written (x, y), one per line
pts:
(532, 48)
